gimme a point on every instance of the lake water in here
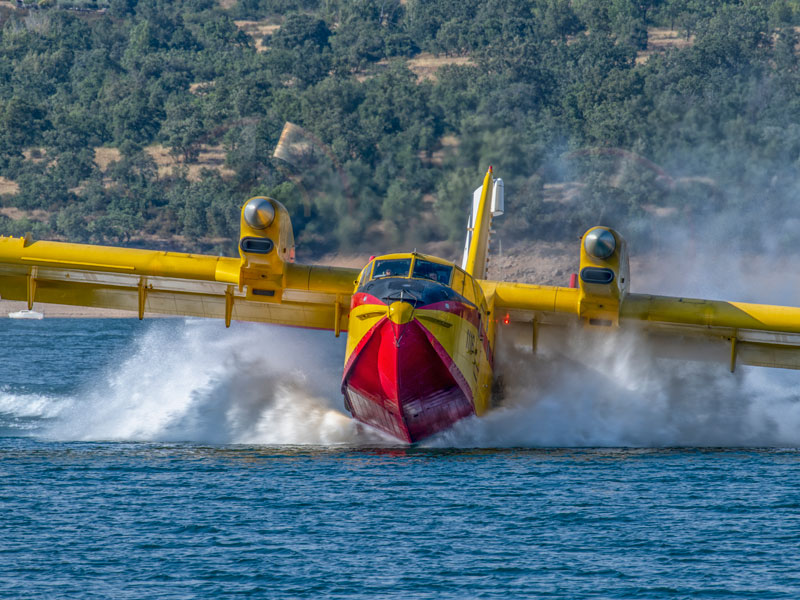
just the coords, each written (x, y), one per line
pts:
(177, 459)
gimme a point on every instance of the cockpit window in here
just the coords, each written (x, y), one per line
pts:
(365, 275)
(435, 272)
(392, 267)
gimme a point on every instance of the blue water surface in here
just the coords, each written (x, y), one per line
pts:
(100, 499)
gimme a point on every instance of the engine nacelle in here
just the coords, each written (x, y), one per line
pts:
(604, 277)
(266, 244)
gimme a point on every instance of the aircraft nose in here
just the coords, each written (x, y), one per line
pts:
(401, 312)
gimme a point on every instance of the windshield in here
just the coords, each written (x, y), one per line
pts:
(435, 272)
(394, 267)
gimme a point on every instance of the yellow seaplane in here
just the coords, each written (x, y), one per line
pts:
(421, 330)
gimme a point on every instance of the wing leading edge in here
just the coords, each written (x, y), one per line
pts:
(263, 284)
(734, 332)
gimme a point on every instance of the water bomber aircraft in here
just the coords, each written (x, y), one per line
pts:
(421, 330)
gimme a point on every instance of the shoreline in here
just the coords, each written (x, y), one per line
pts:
(65, 311)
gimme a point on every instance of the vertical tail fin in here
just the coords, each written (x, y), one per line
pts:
(487, 202)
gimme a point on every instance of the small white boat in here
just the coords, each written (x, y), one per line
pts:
(25, 314)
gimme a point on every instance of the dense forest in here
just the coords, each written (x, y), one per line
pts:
(149, 122)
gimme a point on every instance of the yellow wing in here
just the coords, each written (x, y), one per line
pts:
(263, 284)
(738, 332)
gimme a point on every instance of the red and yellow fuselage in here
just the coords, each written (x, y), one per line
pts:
(419, 347)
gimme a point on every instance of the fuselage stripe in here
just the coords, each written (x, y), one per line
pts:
(357, 350)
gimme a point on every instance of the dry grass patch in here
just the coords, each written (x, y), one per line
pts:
(160, 156)
(105, 156)
(257, 30)
(563, 193)
(447, 145)
(209, 157)
(201, 87)
(15, 214)
(661, 40)
(8, 187)
(425, 65)
(541, 263)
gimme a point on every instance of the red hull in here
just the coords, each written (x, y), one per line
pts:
(400, 381)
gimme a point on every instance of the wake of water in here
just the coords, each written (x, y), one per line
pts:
(195, 381)
(611, 391)
(254, 384)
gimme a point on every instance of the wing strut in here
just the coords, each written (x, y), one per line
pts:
(32, 286)
(228, 305)
(142, 295)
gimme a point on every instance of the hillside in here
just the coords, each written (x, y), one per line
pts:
(147, 123)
